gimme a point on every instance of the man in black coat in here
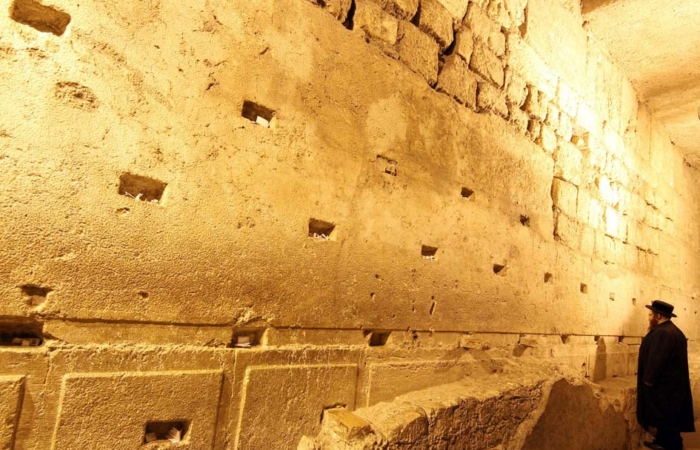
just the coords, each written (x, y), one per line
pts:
(664, 400)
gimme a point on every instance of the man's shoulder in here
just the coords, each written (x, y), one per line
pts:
(670, 328)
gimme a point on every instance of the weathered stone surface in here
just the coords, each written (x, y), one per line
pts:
(517, 90)
(456, 80)
(568, 163)
(276, 388)
(90, 403)
(492, 99)
(519, 118)
(564, 195)
(418, 51)
(487, 64)
(486, 30)
(401, 9)
(337, 8)
(457, 8)
(548, 139)
(11, 394)
(464, 44)
(377, 26)
(555, 32)
(436, 21)
(536, 104)
(259, 122)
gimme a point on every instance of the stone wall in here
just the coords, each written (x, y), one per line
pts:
(367, 192)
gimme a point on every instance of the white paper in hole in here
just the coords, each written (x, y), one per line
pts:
(150, 437)
(175, 435)
(262, 121)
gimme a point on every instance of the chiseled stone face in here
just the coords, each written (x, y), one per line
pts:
(229, 218)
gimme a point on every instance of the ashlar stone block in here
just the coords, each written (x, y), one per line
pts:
(111, 411)
(568, 159)
(298, 394)
(536, 104)
(376, 25)
(401, 9)
(519, 118)
(548, 139)
(486, 30)
(516, 88)
(458, 81)
(486, 63)
(564, 195)
(464, 44)
(11, 392)
(436, 21)
(337, 8)
(418, 51)
(456, 8)
(492, 99)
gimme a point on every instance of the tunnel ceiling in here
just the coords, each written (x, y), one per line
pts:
(657, 44)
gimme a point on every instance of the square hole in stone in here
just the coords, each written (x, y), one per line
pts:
(40, 17)
(320, 229)
(141, 188)
(247, 338)
(584, 288)
(173, 431)
(258, 113)
(376, 338)
(524, 220)
(388, 166)
(35, 295)
(428, 252)
(548, 278)
(499, 269)
(467, 193)
(21, 334)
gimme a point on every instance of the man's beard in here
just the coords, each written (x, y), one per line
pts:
(653, 321)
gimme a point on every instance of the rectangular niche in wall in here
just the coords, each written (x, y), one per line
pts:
(21, 334)
(388, 166)
(258, 114)
(141, 188)
(247, 338)
(166, 431)
(428, 252)
(377, 338)
(320, 229)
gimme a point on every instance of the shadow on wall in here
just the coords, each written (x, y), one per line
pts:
(574, 420)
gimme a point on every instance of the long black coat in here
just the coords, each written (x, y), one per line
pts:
(663, 363)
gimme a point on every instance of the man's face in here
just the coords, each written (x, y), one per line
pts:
(653, 319)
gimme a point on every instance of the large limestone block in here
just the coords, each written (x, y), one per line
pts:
(456, 80)
(568, 163)
(377, 26)
(486, 30)
(558, 36)
(457, 8)
(436, 21)
(388, 380)
(282, 403)
(401, 9)
(536, 70)
(109, 411)
(487, 64)
(564, 195)
(418, 51)
(11, 393)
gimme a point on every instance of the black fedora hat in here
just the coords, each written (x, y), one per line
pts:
(663, 308)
